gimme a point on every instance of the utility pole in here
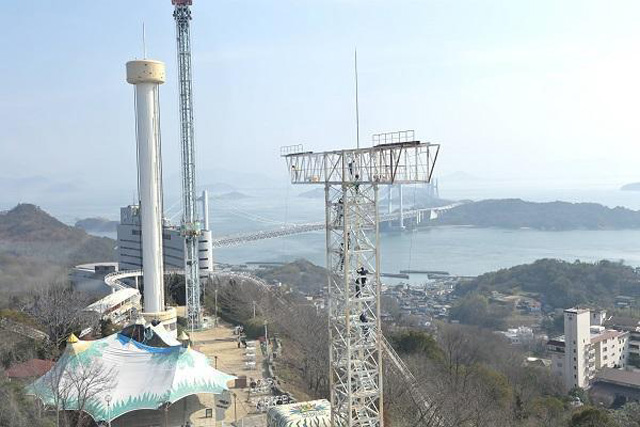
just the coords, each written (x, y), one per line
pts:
(190, 227)
(254, 309)
(351, 178)
(266, 338)
(215, 305)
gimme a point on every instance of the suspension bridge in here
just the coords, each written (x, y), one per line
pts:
(410, 215)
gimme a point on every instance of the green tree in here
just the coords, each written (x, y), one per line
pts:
(628, 415)
(591, 417)
(547, 411)
(412, 342)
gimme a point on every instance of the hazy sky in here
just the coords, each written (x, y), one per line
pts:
(515, 90)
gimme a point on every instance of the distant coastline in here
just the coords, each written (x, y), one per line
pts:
(634, 186)
(552, 216)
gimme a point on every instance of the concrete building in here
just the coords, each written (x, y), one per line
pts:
(585, 348)
(519, 336)
(632, 326)
(130, 247)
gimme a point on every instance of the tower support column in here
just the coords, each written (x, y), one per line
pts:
(147, 75)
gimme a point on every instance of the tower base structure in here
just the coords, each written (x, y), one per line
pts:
(167, 318)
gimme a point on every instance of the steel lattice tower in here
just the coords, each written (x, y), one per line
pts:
(190, 227)
(351, 179)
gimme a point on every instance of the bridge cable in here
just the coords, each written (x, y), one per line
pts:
(413, 232)
(286, 215)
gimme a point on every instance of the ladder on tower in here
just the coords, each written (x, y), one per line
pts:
(351, 178)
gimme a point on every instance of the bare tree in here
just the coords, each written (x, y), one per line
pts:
(88, 384)
(76, 389)
(59, 308)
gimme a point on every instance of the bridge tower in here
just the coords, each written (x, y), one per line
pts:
(351, 179)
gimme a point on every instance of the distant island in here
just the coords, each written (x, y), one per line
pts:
(634, 186)
(553, 216)
(316, 193)
(233, 195)
(219, 187)
(101, 225)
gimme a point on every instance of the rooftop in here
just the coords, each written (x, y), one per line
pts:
(619, 377)
(30, 368)
(576, 310)
(603, 336)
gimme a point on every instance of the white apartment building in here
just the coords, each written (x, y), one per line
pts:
(586, 347)
(130, 246)
(631, 325)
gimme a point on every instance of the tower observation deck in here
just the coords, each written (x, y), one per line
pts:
(351, 178)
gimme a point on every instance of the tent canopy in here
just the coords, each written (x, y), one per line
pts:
(315, 413)
(141, 377)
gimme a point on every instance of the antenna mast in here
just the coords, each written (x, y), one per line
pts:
(190, 227)
(355, 57)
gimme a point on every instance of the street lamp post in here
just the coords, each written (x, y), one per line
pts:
(235, 409)
(107, 398)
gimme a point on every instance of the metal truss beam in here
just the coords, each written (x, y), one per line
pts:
(190, 227)
(354, 304)
(351, 178)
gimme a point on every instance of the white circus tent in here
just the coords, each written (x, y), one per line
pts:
(142, 377)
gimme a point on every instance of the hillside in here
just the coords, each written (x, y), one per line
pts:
(234, 195)
(36, 248)
(561, 284)
(101, 225)
(634, 186)
(516, 213)
(29, 223)
(316, 193)
(304, 276)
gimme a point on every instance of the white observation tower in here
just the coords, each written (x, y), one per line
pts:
(147, 75)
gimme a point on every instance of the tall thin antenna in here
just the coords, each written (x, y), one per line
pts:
(355, 57)
(144, 42)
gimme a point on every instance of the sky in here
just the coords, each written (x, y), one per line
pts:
(542, 92)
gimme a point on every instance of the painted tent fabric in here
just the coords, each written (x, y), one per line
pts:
(315, 413)
(144, 377)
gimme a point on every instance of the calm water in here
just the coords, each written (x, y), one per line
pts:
(458, 250)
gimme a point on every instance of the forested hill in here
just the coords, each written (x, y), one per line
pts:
(29, 223)
(562, 284)
(304, 276)
(517, 213)
(36, 248)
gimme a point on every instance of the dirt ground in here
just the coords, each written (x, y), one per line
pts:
(220, 345)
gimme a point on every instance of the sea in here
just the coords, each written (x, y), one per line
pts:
(459, 250)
